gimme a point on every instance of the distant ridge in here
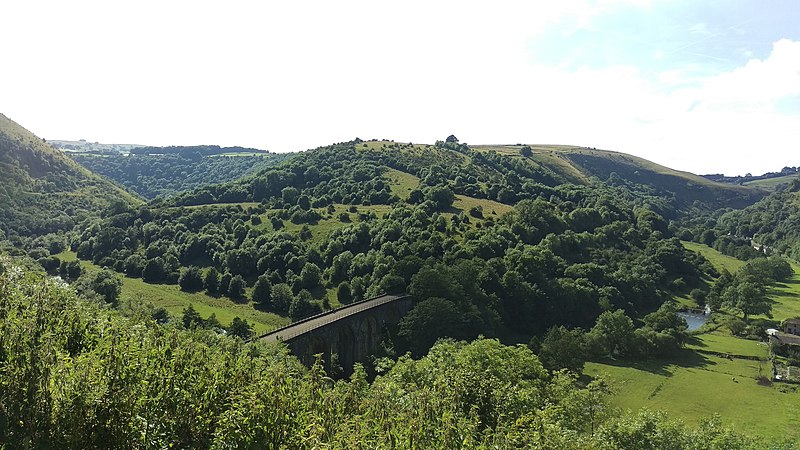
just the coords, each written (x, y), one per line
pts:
(580, 164)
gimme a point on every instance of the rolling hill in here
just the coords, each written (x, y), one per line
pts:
(153, 175)
(773, 222)
(581, 164)
(42, 190)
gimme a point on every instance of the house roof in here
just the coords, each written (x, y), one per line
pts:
(794, 321)
(788, 339)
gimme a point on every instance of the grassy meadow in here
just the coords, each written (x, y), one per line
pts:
(772, 184)
(716, 258)
(694, 385)
(171, 298)
(702, 381)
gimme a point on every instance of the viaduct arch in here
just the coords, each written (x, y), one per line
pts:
(343, 336)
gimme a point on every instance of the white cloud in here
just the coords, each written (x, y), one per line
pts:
(295, 75)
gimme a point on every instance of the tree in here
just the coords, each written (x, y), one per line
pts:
(665, 318)
(613, 334)
(344, 294)
(236, 287)
(211, 281)
(240, 328)
(310, 276)
(526, 151)
(428, 321)
(304, 202)
(452, 139)
(70, 269)
(748, 298)
(290, 195)
(154, 270)
(262, 292)
(392, 284)
(190, 279)
(107, 284)
(441, 196)
(191, 318)
(282, 298)
(303, 306)
(225, 282)
(563, 349)
(134, 265)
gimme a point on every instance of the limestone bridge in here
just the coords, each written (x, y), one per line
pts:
(351, 332)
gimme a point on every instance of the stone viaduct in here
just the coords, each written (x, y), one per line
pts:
(351, 333)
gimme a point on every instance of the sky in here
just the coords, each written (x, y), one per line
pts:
(706, 86)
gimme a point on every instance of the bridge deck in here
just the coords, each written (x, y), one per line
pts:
(320, 320)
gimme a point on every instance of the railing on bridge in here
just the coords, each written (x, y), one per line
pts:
(308, 324)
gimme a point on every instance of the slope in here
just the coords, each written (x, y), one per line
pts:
(773, 222)
(43, 191)
(153, 175)
(579, 164)
(354, 219)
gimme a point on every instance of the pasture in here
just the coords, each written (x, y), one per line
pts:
(171, 298)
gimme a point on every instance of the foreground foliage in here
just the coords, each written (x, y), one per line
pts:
(74, 375)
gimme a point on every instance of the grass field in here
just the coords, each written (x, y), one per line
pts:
(491, 208)
(330, 222)
(171, 298)
(716, 258)
(786, 296)
(772, 183)
(693, 386)
(698, 383)
(222, 205)
(401, 183)
(724, 342)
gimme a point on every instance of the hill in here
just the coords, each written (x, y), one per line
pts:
(504, 246)
(43, 191)
(170, 172)
(580, 164)
(773, 183)
(772, 224)
(84, 146)
(483, 172)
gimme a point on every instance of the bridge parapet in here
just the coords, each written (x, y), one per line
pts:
(345, 335)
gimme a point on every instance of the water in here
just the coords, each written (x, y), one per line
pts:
(694, 320)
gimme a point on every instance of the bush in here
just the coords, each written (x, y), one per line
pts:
(736, 326)
(344, 293)
(190, 279)
(236, 287)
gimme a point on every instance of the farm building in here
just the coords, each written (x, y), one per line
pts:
(792, 326)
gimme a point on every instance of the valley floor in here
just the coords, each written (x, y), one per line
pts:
(716, 373)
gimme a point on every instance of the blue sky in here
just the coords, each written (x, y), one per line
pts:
(703, 86)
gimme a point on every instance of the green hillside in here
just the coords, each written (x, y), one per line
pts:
(152, 175)
(579, 164)
(512, 246)
(773, 183)
(773, 222)
(42, 190)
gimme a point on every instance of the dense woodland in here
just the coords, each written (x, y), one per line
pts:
(564, 255)
(519, 275)
(42, 191)
(166, 174)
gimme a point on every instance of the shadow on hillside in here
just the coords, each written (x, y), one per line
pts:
(785, 289)
(685, 358)
(696, 342)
